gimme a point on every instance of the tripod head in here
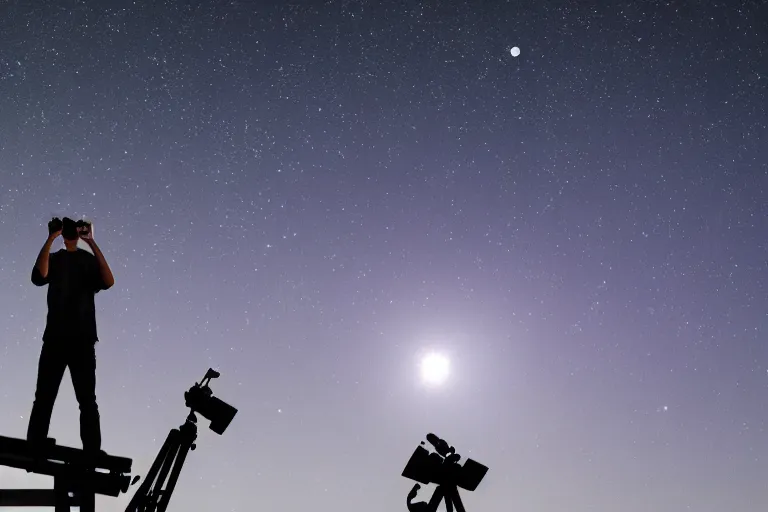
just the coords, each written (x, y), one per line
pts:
(200, 399)
(441, 467)
(155, 493)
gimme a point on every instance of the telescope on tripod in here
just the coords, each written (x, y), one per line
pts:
(155, 492)
(441, 467)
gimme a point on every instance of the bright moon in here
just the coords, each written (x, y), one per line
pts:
(434, 369)
(515, 51)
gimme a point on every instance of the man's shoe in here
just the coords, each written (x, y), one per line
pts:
(91, 457)
(38, 451)
(40, 443)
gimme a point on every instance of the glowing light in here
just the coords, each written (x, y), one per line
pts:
(435, 369)
(515, 51)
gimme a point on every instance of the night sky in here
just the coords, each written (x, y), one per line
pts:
(311, 196)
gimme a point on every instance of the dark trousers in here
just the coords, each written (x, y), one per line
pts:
(55, 357)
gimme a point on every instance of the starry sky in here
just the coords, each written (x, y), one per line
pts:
(309, 196)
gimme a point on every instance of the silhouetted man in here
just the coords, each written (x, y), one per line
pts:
(73, 277)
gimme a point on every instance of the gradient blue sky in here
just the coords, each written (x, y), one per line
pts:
(308, 196)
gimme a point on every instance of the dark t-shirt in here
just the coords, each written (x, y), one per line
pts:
(73, 279)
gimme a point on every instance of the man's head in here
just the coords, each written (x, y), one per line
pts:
(71, 231)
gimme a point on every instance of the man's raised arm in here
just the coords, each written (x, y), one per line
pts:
(104, 271)
(40, 270)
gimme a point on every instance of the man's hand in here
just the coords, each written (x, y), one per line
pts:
(54, 229)
(86, 236)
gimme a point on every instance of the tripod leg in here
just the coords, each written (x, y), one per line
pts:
(160, 485)
(181, 456)
(453, 495)
(436, 498)
(140, 500)
(158, 493)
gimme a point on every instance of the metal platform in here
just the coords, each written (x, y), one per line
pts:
(75, 484)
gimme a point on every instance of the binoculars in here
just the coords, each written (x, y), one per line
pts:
(70, 229)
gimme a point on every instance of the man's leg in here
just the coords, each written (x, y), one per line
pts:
(82, 368)
(49, 374)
